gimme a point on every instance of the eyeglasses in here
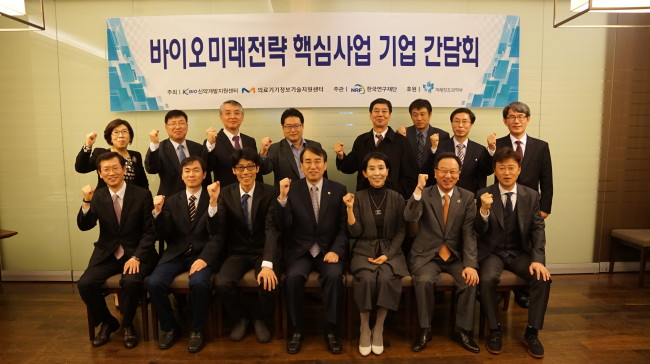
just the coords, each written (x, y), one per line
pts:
(250, 168)
(113, 169)
(444, 172)
(175, 124)
(518, 117)
(120, 132)
(461, 122)
(294, 127)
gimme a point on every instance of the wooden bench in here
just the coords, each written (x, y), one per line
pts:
(635, 238)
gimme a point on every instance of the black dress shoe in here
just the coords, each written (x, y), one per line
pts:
(333, 343)
(466, 341)
(168, 338)
(196, 342)
(293, 345)
(522, 299)
(105, 332)
(534, 346)
(239, 330)
(130, 339)
(493, 343)
(421, 341)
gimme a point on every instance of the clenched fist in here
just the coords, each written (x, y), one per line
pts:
(492, 141)
(486, 202)
(401, 130)
(213, 191)
(284, 188)
(91, 138)
(153, 136)
(211, 135)
(434, 138)
(88, 191)
(349, 200)
(266, 143)
(158, 202)
(338, 149)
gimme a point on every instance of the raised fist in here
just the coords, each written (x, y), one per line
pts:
(422, 180)
(401, 130)
(211, 135)
(213, 190)
(338, 149)
(91, 138)
(88, 191)
(284, 188)
(153, 136)
(434, 138)
(486, 201)
(158, 202)
(349, 200)
(492, 141)
(266, 143)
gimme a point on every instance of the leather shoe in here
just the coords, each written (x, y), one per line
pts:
(293, 345)
(261, 331)
(168, 338)
(239, 330)
(534, 346)
(522, 299)
(196, 342)
(493, 343)
(105, 332)
(130, 339)
(333, 343)
(466, 341)
(421, 341)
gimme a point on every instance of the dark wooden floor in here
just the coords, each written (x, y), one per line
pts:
(591, 319)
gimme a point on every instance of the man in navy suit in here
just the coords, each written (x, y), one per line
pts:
(125, 245)
(182, 221)
(476, 161)
(313, 214)
(165, 157)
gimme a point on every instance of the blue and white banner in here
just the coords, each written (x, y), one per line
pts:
(312, 60)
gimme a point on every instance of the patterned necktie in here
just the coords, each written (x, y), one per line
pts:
(421, 144)
(192, 208)
(313, 191)
(379, 139)
(244, 209)
(236, 140)
(509, 208)
(119, 252)
(461, 152)
(181, 153)
(444, 251)
(519, 150)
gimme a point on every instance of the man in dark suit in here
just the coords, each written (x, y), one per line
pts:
(219, 146)
(284, 156)
(403, 173)
(248, 240)
(182, 221)
(445, 242)
(125, 245)
(421, 135)
(314, 214)
(165, 157)
(476, 161)
(536, 167)
(511, 236)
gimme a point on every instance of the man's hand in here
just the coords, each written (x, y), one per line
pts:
(213, 191)
(492, 142)
(132, 266)
(284, 188)
(331, 257)
(380, 260)
(540, 271)
(197, 266)
(422, 182)
(401, 130)
(470, 275)
(88, 191)
(91, 138)
(486, 202)
(266, 143)
(349, 200)
(211, 135)
(267, 279)
(543, 214)
(434, 138)
(158, 202)
(153, 136)
(338, 149)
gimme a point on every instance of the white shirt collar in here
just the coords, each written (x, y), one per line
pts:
(456, 142)
(319, 185)
(523, 139)
(119, 192)
(442, 194)
(250, 193)
(197, 194)
(502, 191)
(230, 135)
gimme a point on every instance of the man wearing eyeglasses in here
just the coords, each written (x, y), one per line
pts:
(165, 157)
(247, 239)
(476, 161)
(536, 167)
(445, 242)
(284, 156)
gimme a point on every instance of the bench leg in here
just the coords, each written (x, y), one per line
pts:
(642, 268)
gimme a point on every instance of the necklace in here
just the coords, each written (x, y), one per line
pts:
(377, 207)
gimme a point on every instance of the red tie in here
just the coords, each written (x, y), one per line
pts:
(236, 140)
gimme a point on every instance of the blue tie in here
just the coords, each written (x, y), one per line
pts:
(244, 208)
(181, 153)
(509, 208)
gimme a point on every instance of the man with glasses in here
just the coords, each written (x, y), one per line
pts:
(476, 162)
(247, 239)
(445, 242)
(165, 157)
(284, 156)
(535, 156)
(381, 138)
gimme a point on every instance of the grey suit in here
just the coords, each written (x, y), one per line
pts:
(458, 235)
(282, 162)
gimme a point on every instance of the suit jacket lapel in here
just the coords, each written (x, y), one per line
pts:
(222, 139)
(257, 198)
(498, 205)
(127, 204)
(201, 208)
(454, 203)
(521, 209)
(325, 198)
(168, 149)
(287, 153)
(306, 199)
(437, 206)
(109, 207)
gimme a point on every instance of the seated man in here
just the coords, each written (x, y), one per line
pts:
(248, 240)
(511, 236)
(125, 245)
(182, 222)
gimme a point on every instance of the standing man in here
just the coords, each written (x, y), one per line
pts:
(313, 208)
(445, 242)
(421, 135)
(284, 156)
(248, 240)
(511, 236)
(476, 162)
(182, 221)
(165, 157)
(219, 146)
(125, 245)
(403, 173)
(535, 156)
